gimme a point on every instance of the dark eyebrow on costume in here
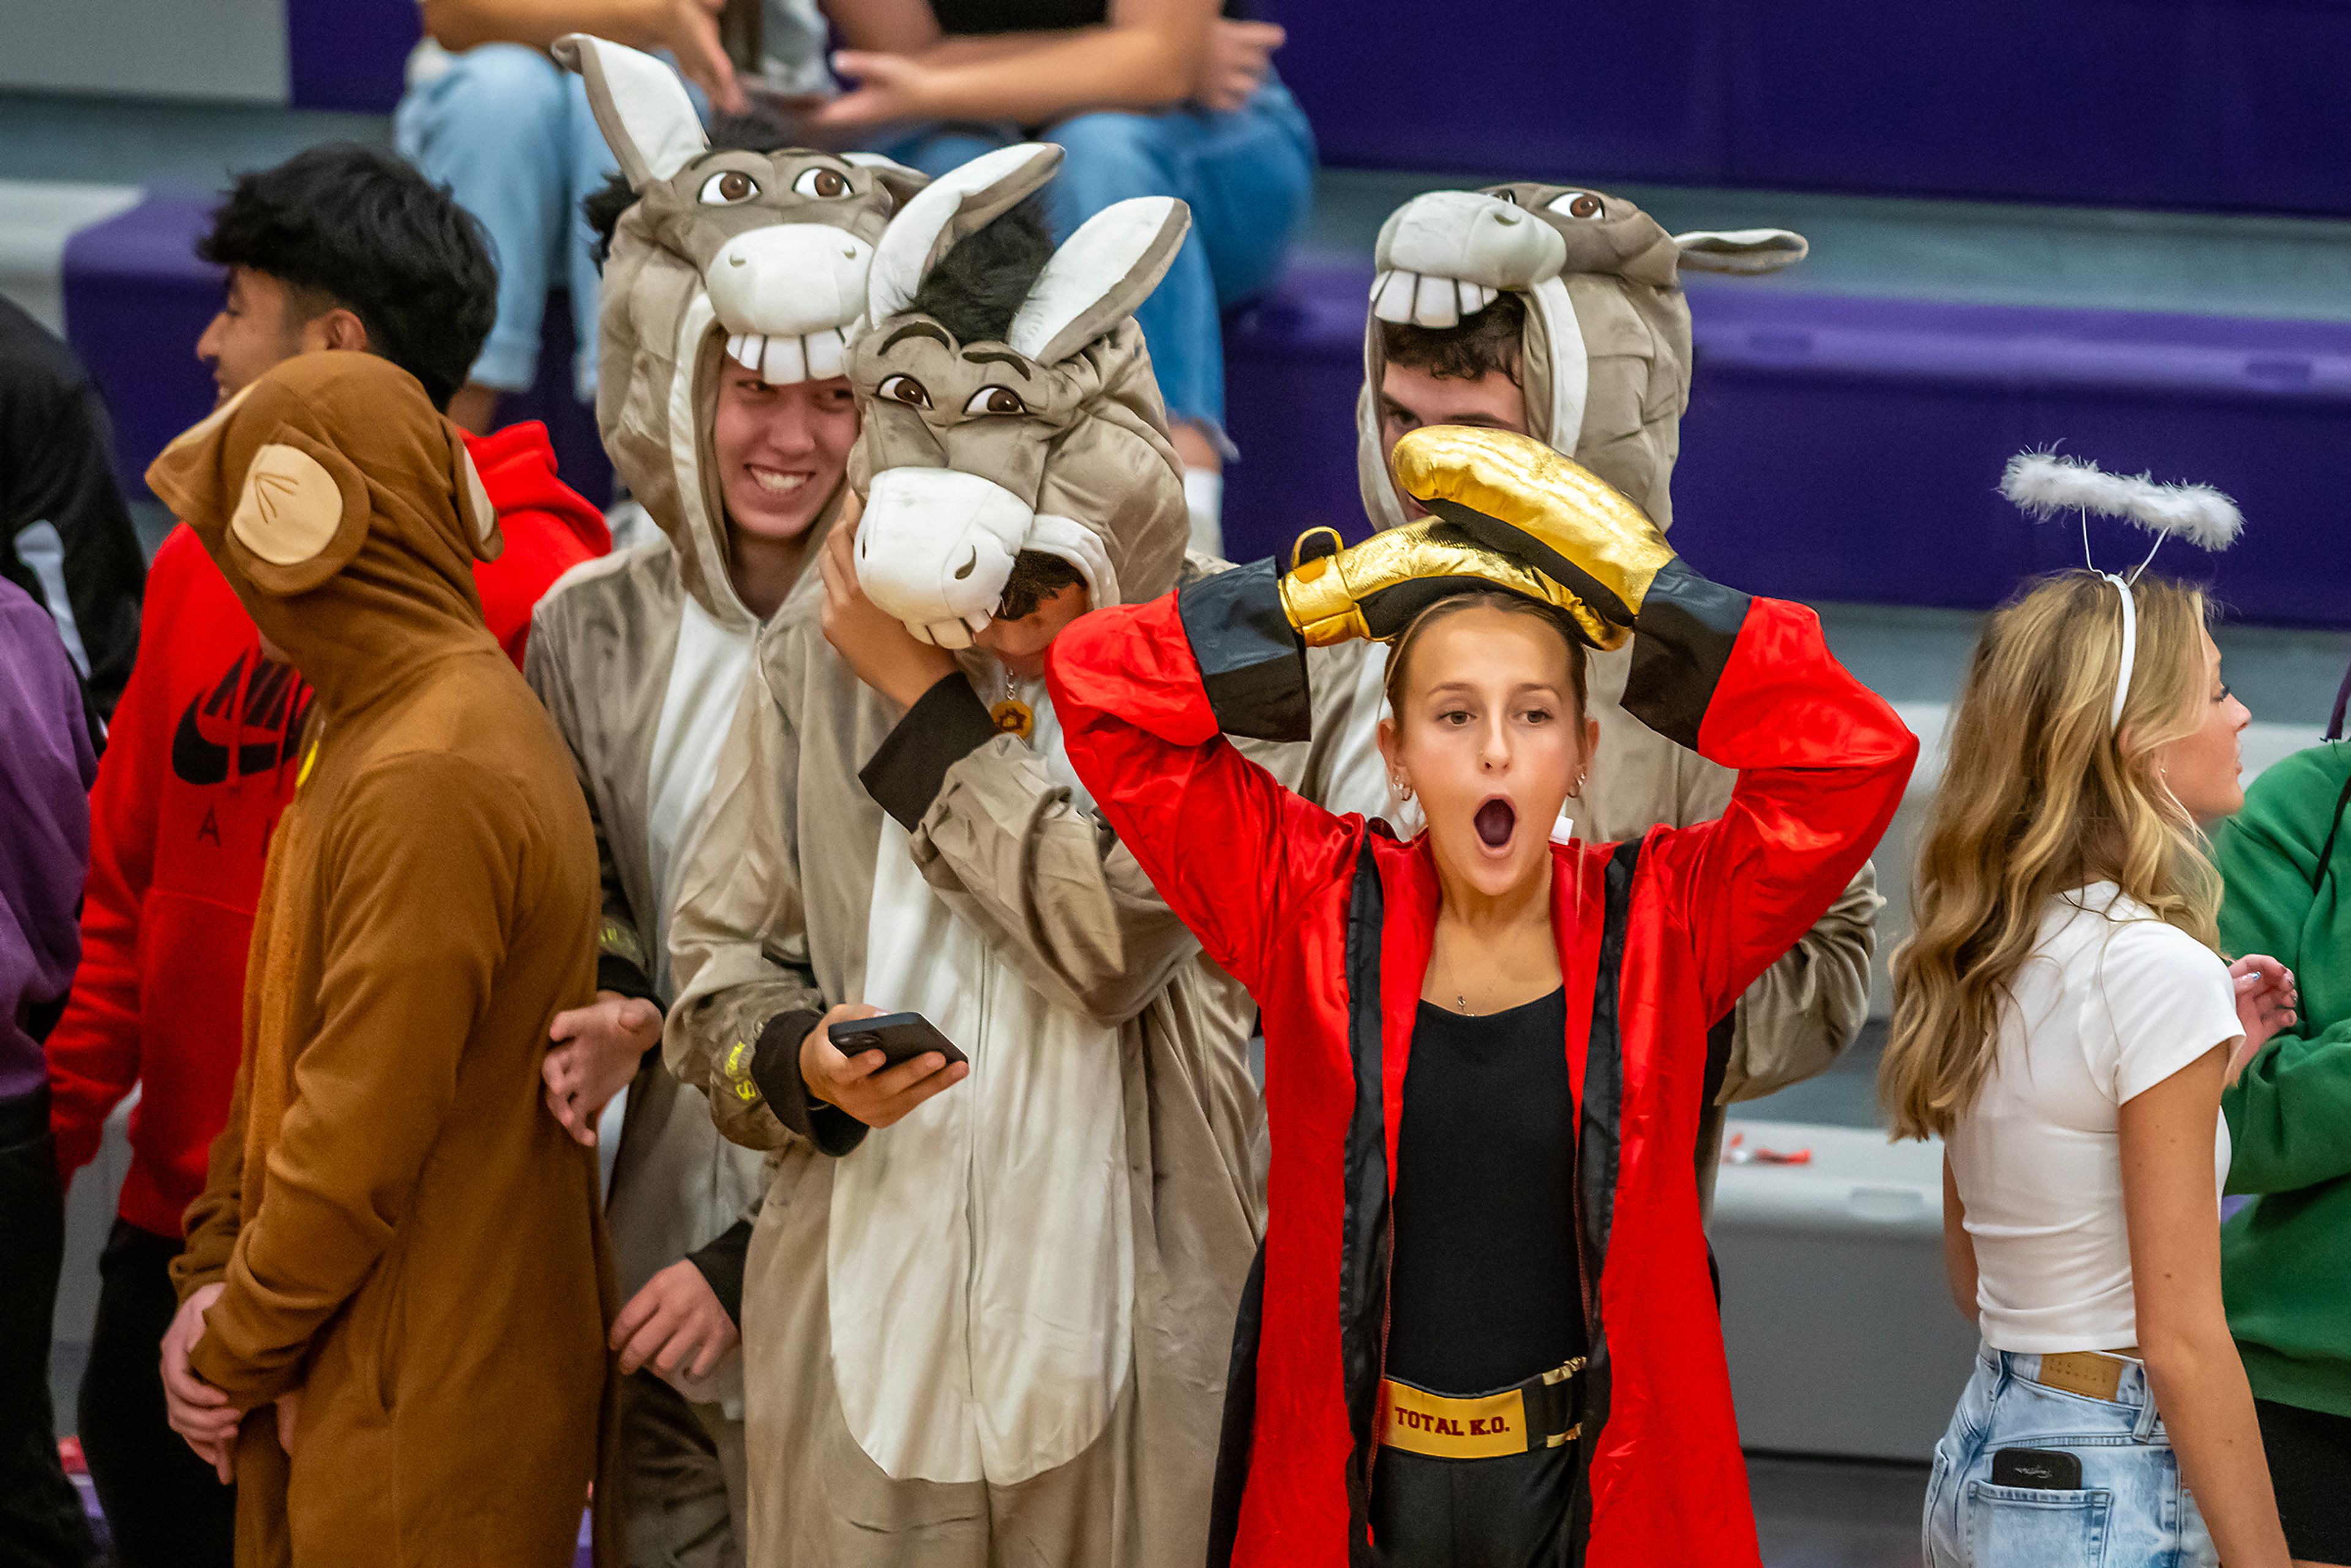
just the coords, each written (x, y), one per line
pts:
(917, 330)
(996, 357)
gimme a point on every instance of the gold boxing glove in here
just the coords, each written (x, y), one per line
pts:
(1519, 497)
(1375, 589)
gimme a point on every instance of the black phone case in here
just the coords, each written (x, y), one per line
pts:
(2037, 1469)
(900, 1037)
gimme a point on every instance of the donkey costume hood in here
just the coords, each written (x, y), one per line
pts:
(761, 258)
(998, 1329)
(1053, 440)
(1606, 361)
(1605, 364)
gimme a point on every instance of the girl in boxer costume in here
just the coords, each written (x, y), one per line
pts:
(1482, 1329)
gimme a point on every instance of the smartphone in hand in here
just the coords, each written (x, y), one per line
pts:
(899, 1037)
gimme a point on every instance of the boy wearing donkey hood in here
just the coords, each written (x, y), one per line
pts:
(733, 276)
(988, 1310)
(396, 1246)
(1557, 311)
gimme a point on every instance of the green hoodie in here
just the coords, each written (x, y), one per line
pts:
(2285, 1260)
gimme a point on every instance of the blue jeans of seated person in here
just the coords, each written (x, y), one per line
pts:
(510, 133)
(2131, 1510)
(1247, 174)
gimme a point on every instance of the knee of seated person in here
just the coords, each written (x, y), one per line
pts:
(1111, 154)
(505, 83)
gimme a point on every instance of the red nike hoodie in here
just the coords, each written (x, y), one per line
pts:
(199, 762)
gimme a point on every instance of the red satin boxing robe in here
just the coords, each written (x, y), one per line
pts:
(1329, 921)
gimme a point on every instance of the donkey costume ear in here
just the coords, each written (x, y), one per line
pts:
(1095, 281)
(639, 106)
(956, 205)
(1741, 250)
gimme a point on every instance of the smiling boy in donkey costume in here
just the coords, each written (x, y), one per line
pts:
(735, 279)
(1557, 311)
(988, 1310)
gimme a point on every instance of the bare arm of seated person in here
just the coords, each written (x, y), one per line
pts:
(687, 29)
(1148, 56)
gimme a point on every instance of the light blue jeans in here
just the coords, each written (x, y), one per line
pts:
(2131, 1510)
(1247, 175)
(510, 132)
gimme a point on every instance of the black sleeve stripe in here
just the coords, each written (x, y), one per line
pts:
(1251, 663)
(721, 1263)
(776, 1072)
(947, 723)
(1519, 545)
(1682, 642)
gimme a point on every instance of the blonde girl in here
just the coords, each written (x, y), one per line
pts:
(2064, 1023)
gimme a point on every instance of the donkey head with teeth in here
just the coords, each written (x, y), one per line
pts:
(758, 257)
(1605, 359)
(1036, 430)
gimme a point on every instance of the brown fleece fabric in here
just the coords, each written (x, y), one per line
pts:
(406, 1237)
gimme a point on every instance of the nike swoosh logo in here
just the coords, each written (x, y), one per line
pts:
(199, 761)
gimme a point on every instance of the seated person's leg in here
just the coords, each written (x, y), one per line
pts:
(1111, 157)
(935, 149)
(494, 129)
(1249, 177)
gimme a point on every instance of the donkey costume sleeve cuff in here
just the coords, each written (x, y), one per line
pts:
(776, 1071)
(1682, 642)
(1252, 663)
(947, 723)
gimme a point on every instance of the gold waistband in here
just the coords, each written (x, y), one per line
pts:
(1486, 1426)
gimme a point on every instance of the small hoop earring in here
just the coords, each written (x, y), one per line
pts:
(1403, 790)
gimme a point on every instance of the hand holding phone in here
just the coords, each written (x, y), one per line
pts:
(848, 1062)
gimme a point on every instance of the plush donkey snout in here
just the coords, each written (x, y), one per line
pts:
(936, 548)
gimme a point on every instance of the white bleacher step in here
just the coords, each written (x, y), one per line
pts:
(37, 218)
(1836, 1317)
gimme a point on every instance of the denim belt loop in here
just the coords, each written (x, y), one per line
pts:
(2143, 1430)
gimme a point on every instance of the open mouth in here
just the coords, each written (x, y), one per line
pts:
(1496, 821)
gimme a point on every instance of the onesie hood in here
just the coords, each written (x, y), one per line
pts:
(759, 258)
(1053, 439)
(346, 515)
(1604, 362)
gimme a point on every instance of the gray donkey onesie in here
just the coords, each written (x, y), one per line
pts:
(996, 1331)
(639, 656)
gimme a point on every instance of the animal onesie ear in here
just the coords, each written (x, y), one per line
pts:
(473, 509)
(950, 209)
(1743, 251)
(290, 510)
(1096, 280)
(640, 104)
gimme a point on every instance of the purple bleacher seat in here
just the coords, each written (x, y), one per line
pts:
(137, 300)
(2206, 104)
(350, 55)
(1848, 449)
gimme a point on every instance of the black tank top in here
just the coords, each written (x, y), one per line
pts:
(1483, 1290)
(961, 16)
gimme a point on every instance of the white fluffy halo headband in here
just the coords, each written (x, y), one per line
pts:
(2043, 485)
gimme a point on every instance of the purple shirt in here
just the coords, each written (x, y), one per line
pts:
(45, 769)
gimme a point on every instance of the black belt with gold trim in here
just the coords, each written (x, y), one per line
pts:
(1540, 1413)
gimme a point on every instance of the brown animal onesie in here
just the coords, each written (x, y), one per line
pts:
(405, 1237)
